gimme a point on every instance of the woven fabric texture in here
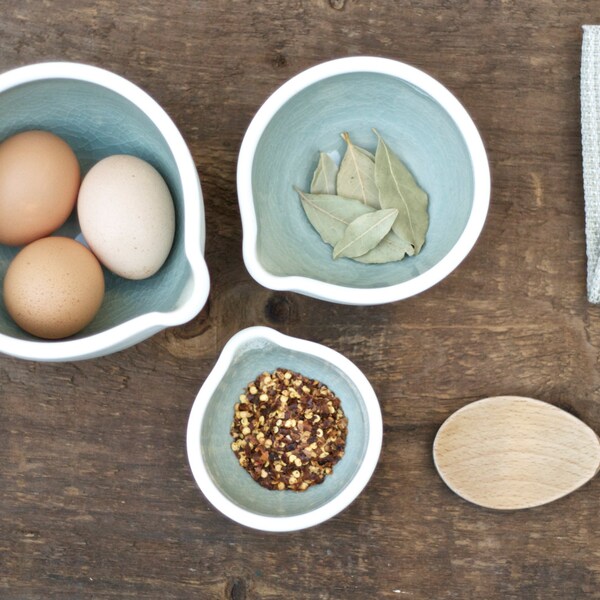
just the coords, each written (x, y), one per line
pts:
(590, 136)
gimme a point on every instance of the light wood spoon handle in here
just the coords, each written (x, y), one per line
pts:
(510, 452)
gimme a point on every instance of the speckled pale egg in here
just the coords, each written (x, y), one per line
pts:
(127, 216)
(53, 287)
(39, 179)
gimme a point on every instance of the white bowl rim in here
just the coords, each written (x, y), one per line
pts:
(338, 293)
(143, 326)
(331, 508)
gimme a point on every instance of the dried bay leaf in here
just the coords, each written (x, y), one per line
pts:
(356, 176)
(365, 152)
(323, 181)
(330, 215)
(391, 248)
(398, 189)
(365, 232)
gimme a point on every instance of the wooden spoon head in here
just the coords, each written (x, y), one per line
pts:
(510, 452)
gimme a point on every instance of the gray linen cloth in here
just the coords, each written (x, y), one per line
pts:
(590, 141)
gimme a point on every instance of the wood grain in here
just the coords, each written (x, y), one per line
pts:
(511, 452)
(96, 497)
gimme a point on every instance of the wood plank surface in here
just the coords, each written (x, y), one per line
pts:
(96, 498)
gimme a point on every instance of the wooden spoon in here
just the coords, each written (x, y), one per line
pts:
(510, 452)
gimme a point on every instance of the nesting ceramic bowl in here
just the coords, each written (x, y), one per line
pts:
(215, 467)
(422, 122)
(99, 113)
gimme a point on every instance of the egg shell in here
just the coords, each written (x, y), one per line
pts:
(53, 287)
(39, 180)
(127, 216)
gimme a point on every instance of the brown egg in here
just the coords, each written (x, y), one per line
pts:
(53, 287)
(39, 181)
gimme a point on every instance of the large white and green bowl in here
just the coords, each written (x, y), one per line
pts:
(99, 113)
(423, 123)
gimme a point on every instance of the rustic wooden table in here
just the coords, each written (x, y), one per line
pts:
(96, 497)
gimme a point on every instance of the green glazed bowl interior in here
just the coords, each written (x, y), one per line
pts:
(413, 124)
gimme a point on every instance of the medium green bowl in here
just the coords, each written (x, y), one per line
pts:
(424, 125)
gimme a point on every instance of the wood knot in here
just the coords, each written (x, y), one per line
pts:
(237, 589)
(197, 338)
(337, 4)
(196, 327)
(279, 309)
(279, 60)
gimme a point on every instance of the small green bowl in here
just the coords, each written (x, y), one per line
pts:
(421, 121)
(215, 468)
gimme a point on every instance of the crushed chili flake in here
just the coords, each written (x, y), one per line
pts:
(289, 430)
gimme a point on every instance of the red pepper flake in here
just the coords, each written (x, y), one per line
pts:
(288, 430)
